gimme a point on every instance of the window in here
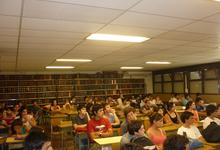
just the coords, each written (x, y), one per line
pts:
(195, 86)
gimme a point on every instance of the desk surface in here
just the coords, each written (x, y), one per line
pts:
(108, 140)
(12, 140)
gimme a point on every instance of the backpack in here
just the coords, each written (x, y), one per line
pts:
(212, 133)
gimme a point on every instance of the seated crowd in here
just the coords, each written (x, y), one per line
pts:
(97, 120)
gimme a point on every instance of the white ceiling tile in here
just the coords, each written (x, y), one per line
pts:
(53, 34)
(182, 36)
(58, 25)
(213, 40)
(10, 7)
(153, 21)
(8, 32)
(59, 11)
(204, 44)
(166, 42)
(115, 4)
(9, 22)
(8, 39)
(8, 45)
(202, 27)
(213, 18)
(48, 40)
(116, 29)
(8, 58)
(46, 47)
(193, 9)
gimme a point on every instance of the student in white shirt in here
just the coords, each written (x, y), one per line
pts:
(211, 111)
(189, 130)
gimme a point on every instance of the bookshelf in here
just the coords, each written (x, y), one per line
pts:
(62, 87)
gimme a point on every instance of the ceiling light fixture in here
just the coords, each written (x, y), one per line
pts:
(217, 0)
(131, 68)
(116, 37)
(158, 62)
(74, 60)
(59, 67)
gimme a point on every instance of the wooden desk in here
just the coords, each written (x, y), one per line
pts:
(106, 143)
(12, 141)
(66, 127)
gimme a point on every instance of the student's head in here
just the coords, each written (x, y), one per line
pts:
(156, 119)
(176, 142)
(218, 109)
(159, 110)
(190, 105)
(16, 126)
(132, 146)
(97, 110)
(129, 113)
(211, 110)
(170, 107)
(199, 101)
(37, 141)
(81, 109)
(16, 107)
(54, 102)
(187, 117)
(107, 107)
(136, 127)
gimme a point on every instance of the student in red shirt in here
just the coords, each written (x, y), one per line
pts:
(98, 126)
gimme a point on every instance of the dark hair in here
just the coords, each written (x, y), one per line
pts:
(95, 108)
(210, 109)
(132, 146)
(144, 142)
(35, 140)
(189, 104)
(134, 126)
(170, 106)
(16, 122)
(185, 116)
(127, 110)
(198, 99)
(155, 117)
(176, 142)
(80, 107)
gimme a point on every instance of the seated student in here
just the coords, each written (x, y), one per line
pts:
(27, 119)
(37, 140)
(199, 104)
(191, 107)
(111, 115)
(8, 116)
(99, 126)
(3, 123)
(185, 99)
(130, 115)
(147, 109)
(176, 142)
(211, 111)
(67, 105)
(17, 129)
(135, 130)
(155, 133)
(54, 107)
(171, 117)
(189, 130)
(81, 120)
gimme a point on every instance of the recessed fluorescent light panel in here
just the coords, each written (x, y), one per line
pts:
(59, 67)
(158, 62)
(74, 60)
(134, 68)
(116, 37)
(217, 0)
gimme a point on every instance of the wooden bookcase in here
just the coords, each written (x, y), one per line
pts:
(62, 87)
